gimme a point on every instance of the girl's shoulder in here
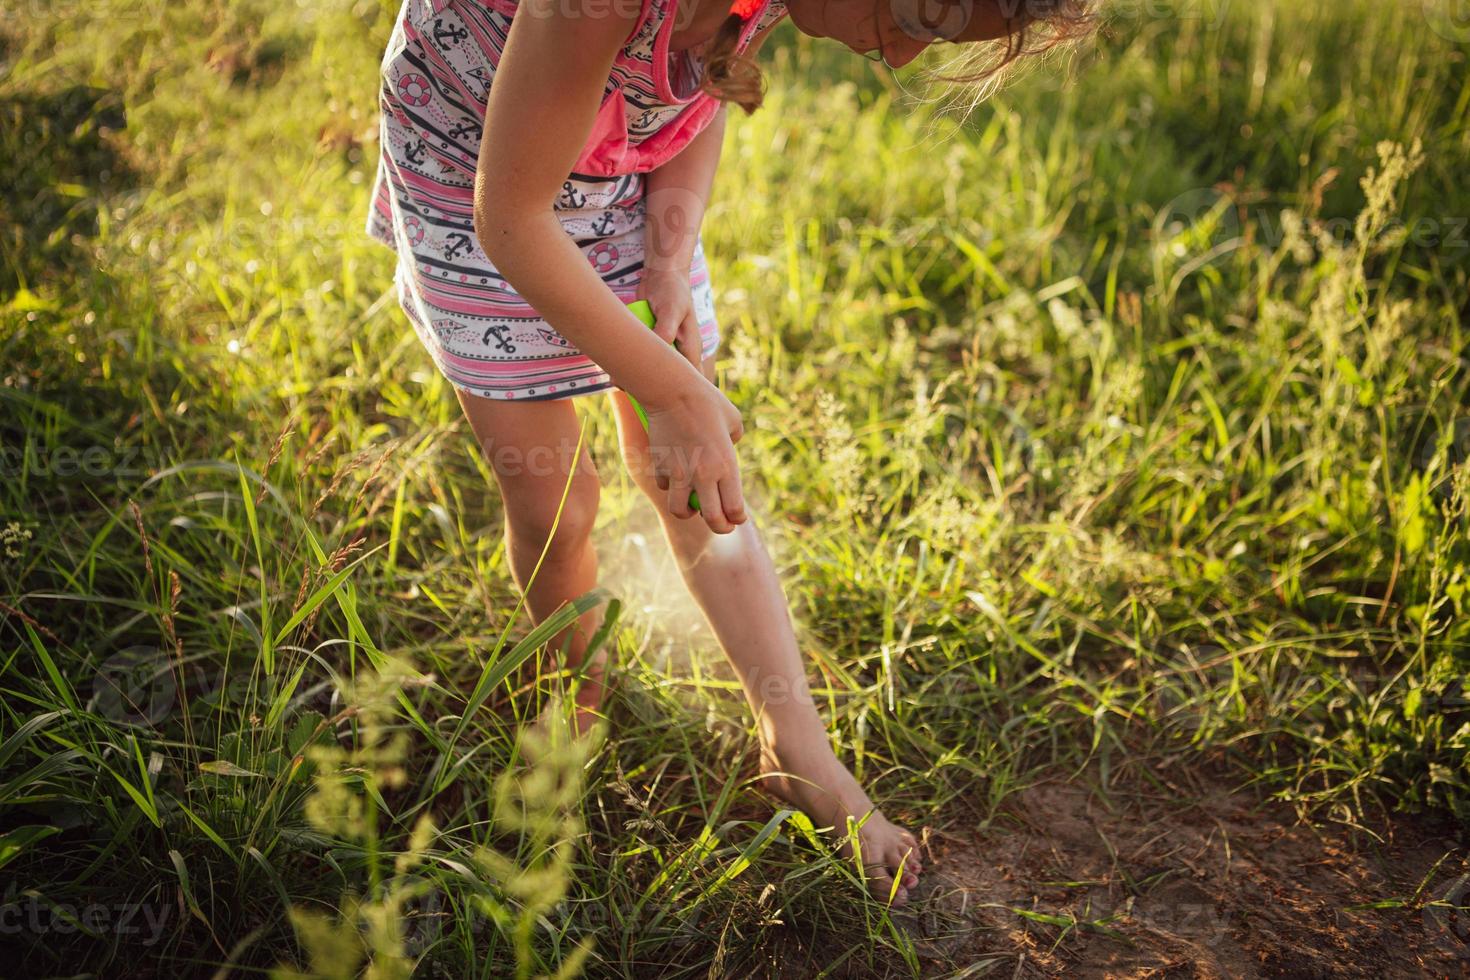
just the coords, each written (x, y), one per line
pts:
(591, 8)
(650, 13)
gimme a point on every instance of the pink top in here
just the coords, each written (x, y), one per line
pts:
(651, 109)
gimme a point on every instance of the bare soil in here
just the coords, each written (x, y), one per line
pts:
(1190, 882)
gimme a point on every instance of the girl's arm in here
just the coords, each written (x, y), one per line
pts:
(541, 108)
(540, 112)
(678, 192)
(676, 196)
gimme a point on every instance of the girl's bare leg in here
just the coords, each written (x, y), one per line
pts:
(533, 447)
(733, 580)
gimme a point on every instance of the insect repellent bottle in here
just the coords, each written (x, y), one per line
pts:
(644, 312)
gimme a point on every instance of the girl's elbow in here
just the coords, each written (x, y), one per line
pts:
(499, 229)
(492, 231)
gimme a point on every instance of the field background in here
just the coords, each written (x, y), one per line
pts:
(1111, 442)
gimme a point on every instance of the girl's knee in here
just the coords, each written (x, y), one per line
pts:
(535, 511)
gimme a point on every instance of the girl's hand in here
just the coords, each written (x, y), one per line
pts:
(672, 302)
(692, 433)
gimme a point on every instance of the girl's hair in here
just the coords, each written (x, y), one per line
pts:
(1036, 26)
(728, 75)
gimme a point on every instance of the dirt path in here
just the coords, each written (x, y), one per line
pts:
(1073, 884)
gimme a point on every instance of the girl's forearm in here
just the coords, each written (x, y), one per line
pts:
(677, 195)
(534, 253)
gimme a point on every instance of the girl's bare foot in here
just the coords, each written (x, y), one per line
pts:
(804, 772)
(586, 686)
(591, 693)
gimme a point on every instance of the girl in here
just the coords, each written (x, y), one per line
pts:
(545, 162)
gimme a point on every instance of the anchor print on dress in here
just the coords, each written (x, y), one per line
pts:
(603, 225)
(448, 35)
(570, 197)
(457, 244)
(465, 127)
(604, 257)
(497, 334)
(636, 50)
(414, 152)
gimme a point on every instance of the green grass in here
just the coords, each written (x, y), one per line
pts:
(1059, 475)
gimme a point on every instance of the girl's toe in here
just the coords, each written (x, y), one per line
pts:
(880, 883)
(901, 865)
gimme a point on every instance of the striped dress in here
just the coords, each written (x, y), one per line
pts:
(436, 75)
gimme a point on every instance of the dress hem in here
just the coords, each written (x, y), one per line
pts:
(592, 389)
